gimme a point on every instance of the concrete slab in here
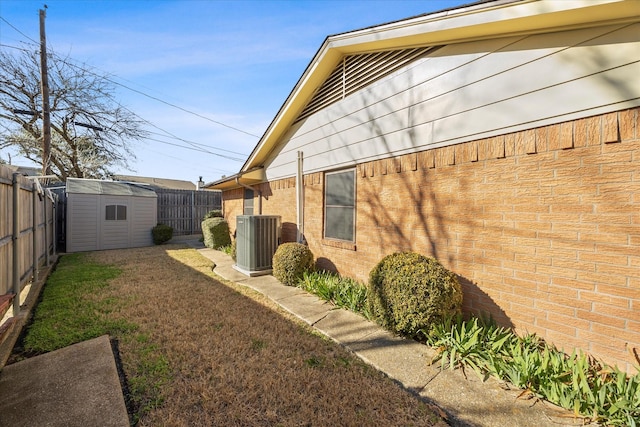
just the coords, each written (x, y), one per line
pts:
(76, 386)
(223, 265)
(346, 327)
(472, 401)
(307, 307)
(270, 286)
(403, 360)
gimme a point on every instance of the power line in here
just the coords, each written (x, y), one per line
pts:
(194, 143)
(155, 98)
(196, 149)
(16, 48)
(17, 30)
(197, 146)
(208, 168)
(183, 109)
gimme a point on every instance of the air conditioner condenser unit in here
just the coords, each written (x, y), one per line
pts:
(257, 238)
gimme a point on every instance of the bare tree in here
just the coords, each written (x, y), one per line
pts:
(90, 131)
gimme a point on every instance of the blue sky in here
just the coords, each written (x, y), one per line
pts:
(230, 62)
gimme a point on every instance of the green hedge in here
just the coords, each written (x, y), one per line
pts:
(215, 232)
(161, 233)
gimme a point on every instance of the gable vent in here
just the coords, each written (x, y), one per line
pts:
(357, 71)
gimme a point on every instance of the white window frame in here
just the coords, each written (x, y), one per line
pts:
(335, 234)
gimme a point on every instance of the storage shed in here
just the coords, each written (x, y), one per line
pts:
(109, 215)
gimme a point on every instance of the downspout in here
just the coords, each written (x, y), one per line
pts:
(252, 189)
(300, 198)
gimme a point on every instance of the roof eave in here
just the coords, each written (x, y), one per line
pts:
(250, 177)
(475, 22)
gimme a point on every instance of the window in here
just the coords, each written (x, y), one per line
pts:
(339, 205)
(116, 213)
(248, 202)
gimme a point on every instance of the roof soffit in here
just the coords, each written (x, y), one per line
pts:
(250, 177)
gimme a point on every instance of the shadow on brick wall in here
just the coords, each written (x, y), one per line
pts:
(289, 232)
(477, 302)
(325, 264)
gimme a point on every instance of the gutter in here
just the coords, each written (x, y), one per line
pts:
(232, 178)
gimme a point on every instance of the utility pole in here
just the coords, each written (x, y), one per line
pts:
(44, 80)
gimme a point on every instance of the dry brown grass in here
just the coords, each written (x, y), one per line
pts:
(236, 358)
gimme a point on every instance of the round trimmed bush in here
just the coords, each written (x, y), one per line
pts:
(409, 292)
(161, 233)
(290, 262)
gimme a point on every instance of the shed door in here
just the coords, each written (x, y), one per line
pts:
(83, 222)
(116, 217)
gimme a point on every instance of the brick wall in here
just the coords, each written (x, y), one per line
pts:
(279, 198)
(542, 227)
(232, 206)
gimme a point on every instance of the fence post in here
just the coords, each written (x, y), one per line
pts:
(34, 236)
(16, 232)
(54, 223)
(46, 229)
(193, 211)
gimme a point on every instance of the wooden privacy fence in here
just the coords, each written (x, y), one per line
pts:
(26, 231)
(184, 209)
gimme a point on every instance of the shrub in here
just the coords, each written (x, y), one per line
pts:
(161, 233)
(474, 343)
(290, 262)
(215, 213)
(596, 391)
(230, 250)
(408, 293)
(234, 250)
(216, 232)
(341, 291)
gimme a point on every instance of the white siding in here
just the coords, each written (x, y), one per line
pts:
(469, 91)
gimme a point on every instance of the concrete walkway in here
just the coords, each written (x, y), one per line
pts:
(466, 401)
(76, 386)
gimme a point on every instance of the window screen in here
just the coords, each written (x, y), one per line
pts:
(111, 213)
(339, 200)
(248, 202)
(121, 213)
(116, 213)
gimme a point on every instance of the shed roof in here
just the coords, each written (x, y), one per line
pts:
(172, 184)
(25, 170)
(111, 188)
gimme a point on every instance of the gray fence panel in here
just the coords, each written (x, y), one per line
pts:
(184, 209)
(35, 214)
